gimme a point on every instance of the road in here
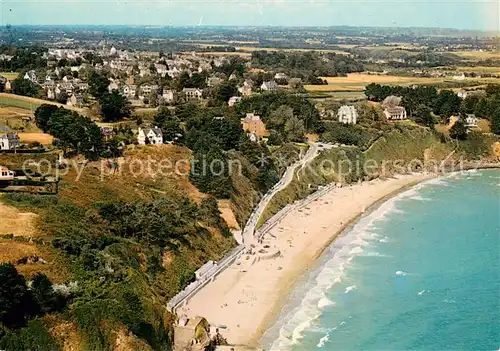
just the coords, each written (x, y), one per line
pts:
(249, 230)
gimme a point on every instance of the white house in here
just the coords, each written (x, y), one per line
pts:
(113, 86)
(168, 96)
(31, 76)
(6, 174)
(233, 100)
(347, 114)
(395, 113)
(192, 93)
(462, 94)
(471, 121)
(150, 136)
(280, 76)
(269, 86)
(130, 90)
(460, 76)
(9, 141)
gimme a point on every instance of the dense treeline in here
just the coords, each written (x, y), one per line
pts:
(24, 58)
(306, 65)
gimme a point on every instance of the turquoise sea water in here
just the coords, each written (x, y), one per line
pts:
(422, 272)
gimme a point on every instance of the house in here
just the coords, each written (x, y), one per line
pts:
(75, 100)
(471, 121)
(214, 81)
(280, 76)
(168, 95)
(253, 137)
(253, 124)
(6, 174)
(392, 101)
(107, 133)
(395, 113)
(51, 94)
(113, 86)
(8, 85)
(233, 100)
(150, 136)
(246, 89)
(462, 94)
(192, 93)
(9, 141)
(66, 88)
(191, 334)
(31, 76)
(269, 86)
(347, 114)
(460, 76)
(130, 90)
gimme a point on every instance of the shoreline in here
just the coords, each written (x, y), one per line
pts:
(274, 313)
(248, 298)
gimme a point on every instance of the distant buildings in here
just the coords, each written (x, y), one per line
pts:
(31, 76)
(471, 121)
(9, 141)
(192, 93)
(395, 113)
(254, 126)
(233, 100)
(75, 100)
(150, 136)
(347, 114)
(6, 174)
(269, 86)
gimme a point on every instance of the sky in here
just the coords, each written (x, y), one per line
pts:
(460, 14)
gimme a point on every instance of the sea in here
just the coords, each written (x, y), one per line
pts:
(420, 272)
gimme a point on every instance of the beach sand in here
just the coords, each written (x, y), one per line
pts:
(247, 298)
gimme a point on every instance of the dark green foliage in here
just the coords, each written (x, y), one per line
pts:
(25, 87)
(154, 222)
(169, 124)
(458, 130)
(35, 336)
(224, 91)
(265, 104)
(43, 114)
(495, 122)
(77, 132)
(98, 84)
(210, 167)
(447, 104)
(423, 115)
(306, 65)
(16, 303)
(345, 134)
(114, 106)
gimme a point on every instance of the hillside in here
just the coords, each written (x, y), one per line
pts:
(126, 272)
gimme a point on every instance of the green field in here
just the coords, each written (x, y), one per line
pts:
(14, 102)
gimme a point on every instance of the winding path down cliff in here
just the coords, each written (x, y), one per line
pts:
(249, 230)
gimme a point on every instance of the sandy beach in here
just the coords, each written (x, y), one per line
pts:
(248, 297)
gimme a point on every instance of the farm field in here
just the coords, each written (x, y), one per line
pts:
(480, 69)
(478, 55)
(358, 81)
(31, 104)
(9, 75)
(31, 137)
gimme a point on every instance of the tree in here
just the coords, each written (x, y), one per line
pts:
(62, 98)
(15, 300)
(25, 87)
(447, 104)
(458, 130)
(278, 118)
(294, 129)
(43, 293)
(169, 124)
(98, 84)
(114, 106)
(43, 114)
(224, 91)
(72, 130)
(424, 116)
(495, 122)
